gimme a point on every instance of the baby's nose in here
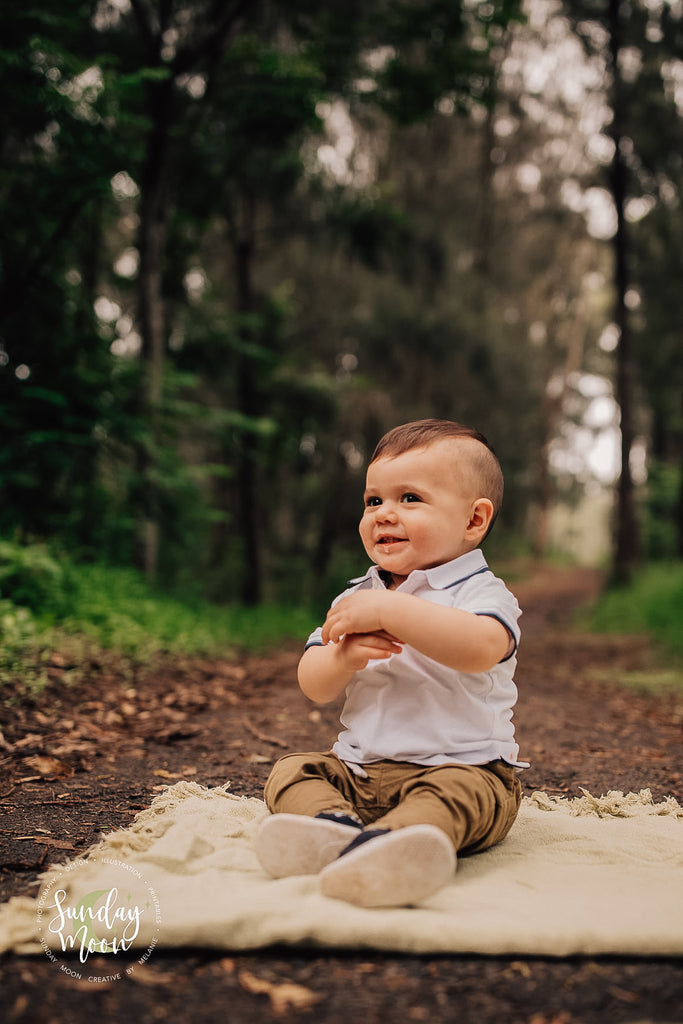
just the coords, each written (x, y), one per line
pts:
(386, 511)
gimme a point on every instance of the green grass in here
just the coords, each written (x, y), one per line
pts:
(653, 604)
(653, 680)
(48, 603)
(117, 609)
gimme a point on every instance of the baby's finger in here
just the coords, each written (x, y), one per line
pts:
(333, 629)
(388, 636)
(386, 644)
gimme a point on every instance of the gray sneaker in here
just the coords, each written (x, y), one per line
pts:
(296, 844)
(396, 869)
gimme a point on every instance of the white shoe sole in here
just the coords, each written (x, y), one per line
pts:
(394, 870)
(296, 844)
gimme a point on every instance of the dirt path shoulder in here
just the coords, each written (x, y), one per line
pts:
(84, 757)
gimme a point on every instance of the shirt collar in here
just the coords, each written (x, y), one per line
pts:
(440, 577)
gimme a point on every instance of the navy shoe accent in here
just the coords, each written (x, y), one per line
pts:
(365, 835)
(341, 819)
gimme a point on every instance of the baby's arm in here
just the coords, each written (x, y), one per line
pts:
(459, 639)
(325, 671)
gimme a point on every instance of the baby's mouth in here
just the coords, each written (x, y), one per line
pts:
(391, 540)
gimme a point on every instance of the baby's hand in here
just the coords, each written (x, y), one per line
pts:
(357, 613)
(357, 649)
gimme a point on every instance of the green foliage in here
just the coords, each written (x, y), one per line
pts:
(652, 604)
(19, 645)
(42, 595)
(117, 609)
(663, 496)
(31, 578)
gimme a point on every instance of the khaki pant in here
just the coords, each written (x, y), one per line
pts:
(475, 805)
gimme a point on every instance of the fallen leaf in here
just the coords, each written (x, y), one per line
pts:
(57, 844)
(29, 740)
(47, 765)
(283, 996)
(624, 995)
(259, 759)
(176, 732)
(163, 774)
(87, 747)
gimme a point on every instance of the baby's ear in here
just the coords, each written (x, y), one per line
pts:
(480, 517)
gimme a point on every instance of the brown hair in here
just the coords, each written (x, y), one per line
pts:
(421, 433)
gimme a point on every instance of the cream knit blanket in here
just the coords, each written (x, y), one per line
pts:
(575, 876)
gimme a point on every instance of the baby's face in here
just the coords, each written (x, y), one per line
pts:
(418, 508)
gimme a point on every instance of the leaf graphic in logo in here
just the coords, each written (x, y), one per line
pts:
(84, 912)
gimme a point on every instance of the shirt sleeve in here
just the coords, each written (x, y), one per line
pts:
(492, 597)
(315, 639)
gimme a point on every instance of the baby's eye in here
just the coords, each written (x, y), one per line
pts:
(411, 497)
(372, 501)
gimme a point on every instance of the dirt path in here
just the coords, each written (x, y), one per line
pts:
(85, 757)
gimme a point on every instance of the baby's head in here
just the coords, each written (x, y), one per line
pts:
(471, 456)
(433, 490)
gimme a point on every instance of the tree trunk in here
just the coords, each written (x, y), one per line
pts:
(627, 541)
(154, 214)
(247, 484)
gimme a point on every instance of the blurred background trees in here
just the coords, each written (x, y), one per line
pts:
(241, 240)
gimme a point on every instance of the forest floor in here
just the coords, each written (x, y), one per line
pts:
(94, 747)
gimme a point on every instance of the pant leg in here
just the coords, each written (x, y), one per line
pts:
(474, 805)
(310, 783)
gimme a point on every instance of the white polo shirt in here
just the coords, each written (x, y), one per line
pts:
(411, 708)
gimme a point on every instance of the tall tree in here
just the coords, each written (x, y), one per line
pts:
(627, 547)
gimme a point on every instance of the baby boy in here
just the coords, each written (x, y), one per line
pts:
(424, 646)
